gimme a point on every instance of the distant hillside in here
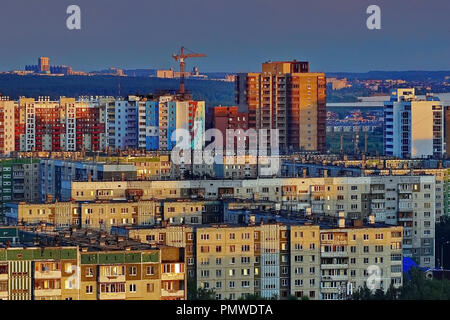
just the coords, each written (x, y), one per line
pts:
(405, 75)
(14, 86)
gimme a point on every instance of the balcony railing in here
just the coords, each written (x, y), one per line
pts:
(47, 274)
(334, 254)
(47, 292)
(172, 276)
(172, 293)
(112, 296)
(118, 278)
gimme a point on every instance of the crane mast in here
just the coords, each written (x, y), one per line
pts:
(181, 57)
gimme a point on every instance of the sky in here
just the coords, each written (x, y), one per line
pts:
(236, 35)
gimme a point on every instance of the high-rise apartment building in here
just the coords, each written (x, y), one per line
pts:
(287, 97)
(149, 122)
(229, 118)
(19, 181)
(7, 131)
(44, 64)
(64, 125)
(413, 128)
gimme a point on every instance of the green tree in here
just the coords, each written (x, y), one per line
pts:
(195, 293)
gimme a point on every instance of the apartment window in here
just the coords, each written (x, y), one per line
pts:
(204, 249)
(204, 236)
(150, 270)
(231, 284)
(245, 272)
(150, 287)
(245, 260)
(89, 272)
(204, 273)
(133, 288)
(89, 289)
(298, 258)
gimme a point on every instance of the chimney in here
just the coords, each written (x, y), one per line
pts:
(251, 219)
(123, 176)
(325, 173)
(89, 177)
(371, 219)
(84, 249)
(304, 172)
(341, 219)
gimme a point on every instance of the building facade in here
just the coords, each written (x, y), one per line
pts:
(287, 97)
(413, 128)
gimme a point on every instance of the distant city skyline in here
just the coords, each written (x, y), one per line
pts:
(237, 36)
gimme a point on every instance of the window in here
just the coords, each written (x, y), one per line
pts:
(150, 287)
(133, 271)
(89, 289)
(150, 270)
(133, 288)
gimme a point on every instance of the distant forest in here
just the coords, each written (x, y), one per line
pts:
(14, 86)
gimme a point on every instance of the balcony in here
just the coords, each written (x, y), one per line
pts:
(334, 266)
(329, 290)
(47, 274)
(334, 254)
(118, 278)
(172, 276)
(172, 293)
(334, 278)
(4, 295)
(47, 292)
(112, 296)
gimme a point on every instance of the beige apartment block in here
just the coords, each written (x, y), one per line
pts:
(305, 261)
(104, 215)
(349, 257)
(226, 261)
(59, 214)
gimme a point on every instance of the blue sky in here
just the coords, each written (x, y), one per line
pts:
(237, 35)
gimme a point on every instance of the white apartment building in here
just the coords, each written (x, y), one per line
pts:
(413, 128)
